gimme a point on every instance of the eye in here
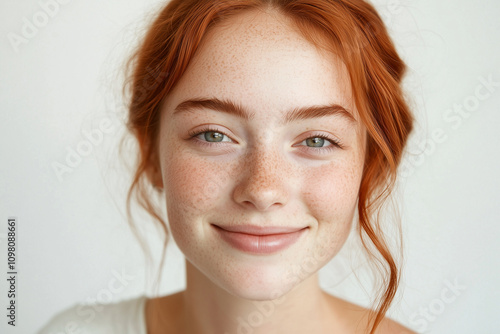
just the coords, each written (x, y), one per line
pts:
(210, 135)
(317, 142)
(321, 143)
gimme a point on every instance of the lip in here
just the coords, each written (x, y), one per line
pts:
(258, 239)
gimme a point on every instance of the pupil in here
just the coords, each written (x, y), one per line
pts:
(316, 142)
(214, 136)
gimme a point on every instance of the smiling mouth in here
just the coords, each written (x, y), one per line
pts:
(260, 230)
(260, 239)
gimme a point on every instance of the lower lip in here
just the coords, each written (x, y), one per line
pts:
(260, 244)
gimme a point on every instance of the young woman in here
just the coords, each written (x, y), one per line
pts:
(269, 128)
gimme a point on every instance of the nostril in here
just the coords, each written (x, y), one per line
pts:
(262, 205)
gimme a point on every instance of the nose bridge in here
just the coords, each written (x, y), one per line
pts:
(263, 179)
(264, 166)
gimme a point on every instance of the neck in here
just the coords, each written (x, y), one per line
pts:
(211, 309)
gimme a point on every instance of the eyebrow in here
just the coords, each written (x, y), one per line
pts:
(230, 107)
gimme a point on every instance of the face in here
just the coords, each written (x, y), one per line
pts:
(240, 154)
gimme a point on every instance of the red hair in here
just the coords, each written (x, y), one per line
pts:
(351, 29)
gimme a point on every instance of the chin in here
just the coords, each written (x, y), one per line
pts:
(258, 283)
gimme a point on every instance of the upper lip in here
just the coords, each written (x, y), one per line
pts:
(260, 230)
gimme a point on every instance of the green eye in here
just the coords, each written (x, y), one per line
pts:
(315, 142)
(213, 137)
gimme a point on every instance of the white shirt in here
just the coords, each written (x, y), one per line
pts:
(125, 317)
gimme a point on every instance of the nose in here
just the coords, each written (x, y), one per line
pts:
(263, 181)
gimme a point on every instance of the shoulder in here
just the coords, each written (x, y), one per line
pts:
(122, 317)
(357, 317)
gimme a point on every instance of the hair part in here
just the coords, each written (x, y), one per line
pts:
(354, 31)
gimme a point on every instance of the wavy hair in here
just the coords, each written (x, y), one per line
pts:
(354, 31)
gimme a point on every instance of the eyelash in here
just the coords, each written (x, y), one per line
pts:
(334, 142)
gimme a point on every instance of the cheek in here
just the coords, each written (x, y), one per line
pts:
(188, 193)
(331, 198)
(331, 193)
(193, 187)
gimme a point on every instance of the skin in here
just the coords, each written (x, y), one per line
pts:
(264, 172)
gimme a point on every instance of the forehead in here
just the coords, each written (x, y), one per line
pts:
(260, 60)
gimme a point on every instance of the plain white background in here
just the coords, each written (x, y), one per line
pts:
(63, 80)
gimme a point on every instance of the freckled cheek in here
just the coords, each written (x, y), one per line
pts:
(192, 184)
(189, 195)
